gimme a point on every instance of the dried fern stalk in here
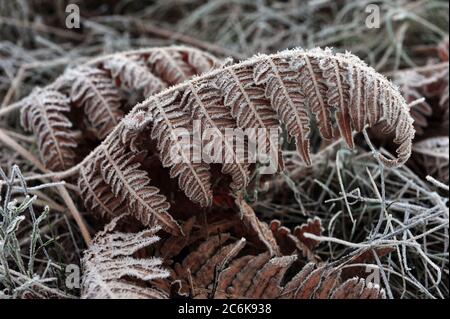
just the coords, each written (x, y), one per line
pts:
(294, 88)
(98, 87)
(110, 271)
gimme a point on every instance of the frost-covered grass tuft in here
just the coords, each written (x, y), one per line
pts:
(366, 207)
(26, 268)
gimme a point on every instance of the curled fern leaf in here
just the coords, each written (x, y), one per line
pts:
(338, 93)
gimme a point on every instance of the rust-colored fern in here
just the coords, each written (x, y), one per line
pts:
(217, 269)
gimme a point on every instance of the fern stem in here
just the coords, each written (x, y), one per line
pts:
(10, 108)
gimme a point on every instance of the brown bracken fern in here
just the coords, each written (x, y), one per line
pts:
(97, 87)
(218, 268)
(291, 242)
(338, 93)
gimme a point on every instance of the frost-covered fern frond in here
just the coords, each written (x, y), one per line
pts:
(294, 89)
(110, 271)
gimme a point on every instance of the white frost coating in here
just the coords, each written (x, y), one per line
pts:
(110, 271)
